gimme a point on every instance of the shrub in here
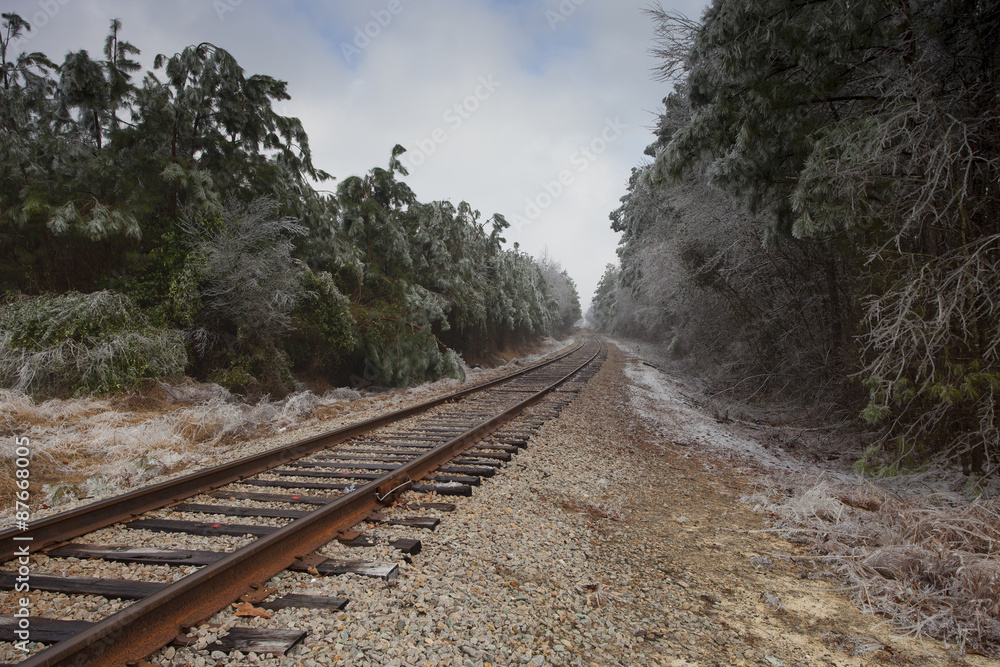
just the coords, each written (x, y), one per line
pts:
(398, 341)
(83, 343)
(238, 289)
(323, 338)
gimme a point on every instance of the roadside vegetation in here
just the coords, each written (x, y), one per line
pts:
(813, 234)
(816, 219)
(927, 560)
(169, 222)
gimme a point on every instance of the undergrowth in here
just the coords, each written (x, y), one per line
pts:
(90, 447)
(930, 563)
(87, 447)
(83, 344)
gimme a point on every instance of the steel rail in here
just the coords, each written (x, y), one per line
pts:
(67, 525)
(136, 631)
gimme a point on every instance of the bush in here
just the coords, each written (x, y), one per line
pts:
(399, 345)
(323, 338)
(83, 343)
(412, 355)
(238, 290)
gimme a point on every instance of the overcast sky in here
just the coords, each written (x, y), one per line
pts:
(536, 109)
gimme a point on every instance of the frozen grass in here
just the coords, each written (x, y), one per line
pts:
(342, 394)
(82, 343)
(917, 549)
(87, 448)
(931, 563)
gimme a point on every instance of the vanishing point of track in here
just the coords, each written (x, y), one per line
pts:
(444, 445)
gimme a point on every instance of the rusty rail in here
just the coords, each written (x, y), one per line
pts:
(65, 526)
(151, 623)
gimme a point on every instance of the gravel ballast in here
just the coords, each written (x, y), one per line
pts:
(602, 543)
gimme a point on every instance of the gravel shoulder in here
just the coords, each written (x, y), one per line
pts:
(605, 542)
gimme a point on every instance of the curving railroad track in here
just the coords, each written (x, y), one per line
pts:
(290, 501)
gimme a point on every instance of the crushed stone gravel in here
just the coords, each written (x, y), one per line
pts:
(602, 543)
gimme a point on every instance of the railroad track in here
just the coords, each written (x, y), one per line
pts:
(273, 511)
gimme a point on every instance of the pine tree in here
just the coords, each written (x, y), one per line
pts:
(869, 130)
(186, 190)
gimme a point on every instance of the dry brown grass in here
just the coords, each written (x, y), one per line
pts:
(931, 564)
(86, 448)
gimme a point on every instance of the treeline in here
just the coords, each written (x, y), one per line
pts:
(166, 224)
(819, 213)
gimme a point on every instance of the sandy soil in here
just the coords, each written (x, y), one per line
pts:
(758, 598)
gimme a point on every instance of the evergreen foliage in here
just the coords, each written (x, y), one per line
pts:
(323, 328)
(83, 343)
(562, 291)
(183, 191)
(854, 149)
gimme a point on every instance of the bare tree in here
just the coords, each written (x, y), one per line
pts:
(243, 285)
